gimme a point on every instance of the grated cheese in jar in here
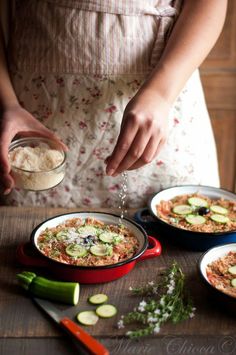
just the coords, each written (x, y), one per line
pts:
(34, 168)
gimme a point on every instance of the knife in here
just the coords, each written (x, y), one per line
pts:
(72, 328)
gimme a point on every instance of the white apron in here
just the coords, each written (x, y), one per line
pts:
(75, 65)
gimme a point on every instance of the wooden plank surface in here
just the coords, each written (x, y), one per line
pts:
(20, 318)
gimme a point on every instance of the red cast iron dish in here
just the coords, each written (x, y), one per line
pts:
(89, 274)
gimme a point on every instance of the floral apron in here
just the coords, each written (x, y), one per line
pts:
(75, 65)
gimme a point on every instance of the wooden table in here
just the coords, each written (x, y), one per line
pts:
(25, 329)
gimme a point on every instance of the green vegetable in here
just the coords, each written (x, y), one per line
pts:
(87, 317)
(98, 298)
(218, 209)
(107, 237)
(66, 292)
(87, 230)
(106, 311)
(219, 218)
(233, 282)
(182, 209)
(232, 270)
(76, 250)
(101, 250)
(197, 201)
(61, 235)
(195, 219)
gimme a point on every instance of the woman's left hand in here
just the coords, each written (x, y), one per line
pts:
(143, 132)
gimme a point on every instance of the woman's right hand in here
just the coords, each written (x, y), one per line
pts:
(16, 120)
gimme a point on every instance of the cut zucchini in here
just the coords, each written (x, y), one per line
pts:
(219, 218)
(84, 231)
(197, 201)
(101, 250)
(106, 311)
(195, 219)
(87, 317)
(61, 235)
(218, 209)
(76, 250)
(67, 292)
(107, 237)
(233, 282)
(98, 299)
(232, 270)
(182, 209)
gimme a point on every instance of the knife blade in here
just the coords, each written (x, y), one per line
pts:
(94, 346)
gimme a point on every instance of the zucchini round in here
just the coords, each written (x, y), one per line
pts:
(100, 250)
(233, 282)
(182, 209)
(218, 209)
(195, 219)
(107, 237)
(219, 218)
(197, 202)
(61, 235)
(76, 250)
(84, 231)
(106, 311)
(232, 270)
(98, 298)
(87, 317)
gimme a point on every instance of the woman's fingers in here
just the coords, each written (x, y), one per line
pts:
(135, 152)
(7, 181)
(46, 133)
(125, 139)
(5, 141)
(150, 153)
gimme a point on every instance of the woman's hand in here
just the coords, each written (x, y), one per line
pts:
(16, 120)
(143, 132)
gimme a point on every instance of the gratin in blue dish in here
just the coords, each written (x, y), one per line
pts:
(198, 241)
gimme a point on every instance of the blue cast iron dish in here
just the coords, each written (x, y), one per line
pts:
(227, 301)
(198, 241)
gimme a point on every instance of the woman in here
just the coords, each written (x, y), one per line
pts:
(117, 81)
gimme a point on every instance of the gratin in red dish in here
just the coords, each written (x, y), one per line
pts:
(198, 213)
(88, 242)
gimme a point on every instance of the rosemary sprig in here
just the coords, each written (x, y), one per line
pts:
(166, 301)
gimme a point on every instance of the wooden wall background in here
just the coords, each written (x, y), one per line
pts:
(218, 74)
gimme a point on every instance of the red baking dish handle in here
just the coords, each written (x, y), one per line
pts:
(154, 251)
(28, 260)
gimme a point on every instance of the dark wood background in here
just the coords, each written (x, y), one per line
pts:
(218, 74)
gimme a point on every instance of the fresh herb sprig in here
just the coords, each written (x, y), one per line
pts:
(166, 301)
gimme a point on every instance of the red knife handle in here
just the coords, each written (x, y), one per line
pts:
(87, 340)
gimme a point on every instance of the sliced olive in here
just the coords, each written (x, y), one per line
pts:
(203, 210)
